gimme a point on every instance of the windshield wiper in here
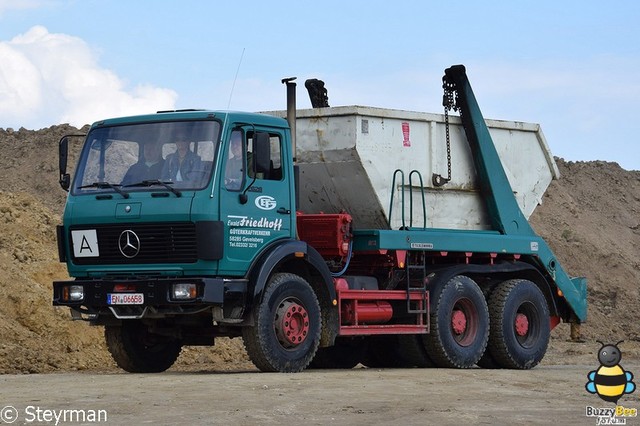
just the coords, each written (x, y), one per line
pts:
(157, 182)
(105, 185)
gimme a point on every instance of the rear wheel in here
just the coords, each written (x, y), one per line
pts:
(286, 333)
(459, 324)
(520, 326)
(137, 351)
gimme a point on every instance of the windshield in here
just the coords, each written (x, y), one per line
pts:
(150, 156)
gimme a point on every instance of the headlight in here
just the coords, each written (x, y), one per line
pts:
(184, 291)
(73, 293)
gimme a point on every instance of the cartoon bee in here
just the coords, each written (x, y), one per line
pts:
(610, 381)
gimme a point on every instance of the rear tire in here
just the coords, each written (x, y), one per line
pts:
(136, 350)
(520, 327)
(286, 333)
(459, 324)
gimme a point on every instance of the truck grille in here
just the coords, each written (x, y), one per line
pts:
(155, 243)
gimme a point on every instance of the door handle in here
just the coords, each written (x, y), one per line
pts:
(282, 210)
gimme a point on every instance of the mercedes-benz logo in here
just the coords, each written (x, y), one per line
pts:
(129, 244)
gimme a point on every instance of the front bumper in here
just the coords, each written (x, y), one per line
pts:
(226, 296)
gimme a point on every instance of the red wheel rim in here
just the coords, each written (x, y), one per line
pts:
(464, 322)
(522, 324)
(291, 324)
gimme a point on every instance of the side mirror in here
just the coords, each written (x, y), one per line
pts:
(65, 181)
(63, 154)
(262, 154)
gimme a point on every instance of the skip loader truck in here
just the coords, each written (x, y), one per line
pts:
(318, 238)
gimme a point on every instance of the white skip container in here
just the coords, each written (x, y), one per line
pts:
(348, 155)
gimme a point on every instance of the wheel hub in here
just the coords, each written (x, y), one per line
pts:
(522, 324)
(291, 323)
(458, 322)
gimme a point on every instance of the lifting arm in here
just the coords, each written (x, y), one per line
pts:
(504, 212)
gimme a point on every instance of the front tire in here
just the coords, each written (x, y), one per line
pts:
(286, 333)
(459, 324)
(136, 350)
(520, 327)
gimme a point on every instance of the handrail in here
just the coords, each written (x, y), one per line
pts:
(393, 189)
(402, 190)
(424, 211)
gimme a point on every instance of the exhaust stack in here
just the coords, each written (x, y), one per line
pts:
(291, 112)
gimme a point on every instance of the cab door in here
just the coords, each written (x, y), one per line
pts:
(256, 203)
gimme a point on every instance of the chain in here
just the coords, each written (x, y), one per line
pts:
(450, 102)
(446, 125)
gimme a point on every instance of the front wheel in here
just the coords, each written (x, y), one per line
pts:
(287, 327)
(136, 350)
(520, 327)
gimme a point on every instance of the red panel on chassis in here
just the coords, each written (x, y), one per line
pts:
(328, 233)
(351, 325)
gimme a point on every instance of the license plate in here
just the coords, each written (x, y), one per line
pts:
(125, 298)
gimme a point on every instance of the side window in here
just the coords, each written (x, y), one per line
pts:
(275, 150)
(235, 163)
(276, 158)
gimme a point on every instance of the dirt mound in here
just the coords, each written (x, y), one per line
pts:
(590, 217)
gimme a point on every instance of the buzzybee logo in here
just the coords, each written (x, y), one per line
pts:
(610, 382)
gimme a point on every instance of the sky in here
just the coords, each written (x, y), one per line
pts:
(572, 66)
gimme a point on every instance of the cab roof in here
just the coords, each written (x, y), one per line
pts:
(195, 114)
